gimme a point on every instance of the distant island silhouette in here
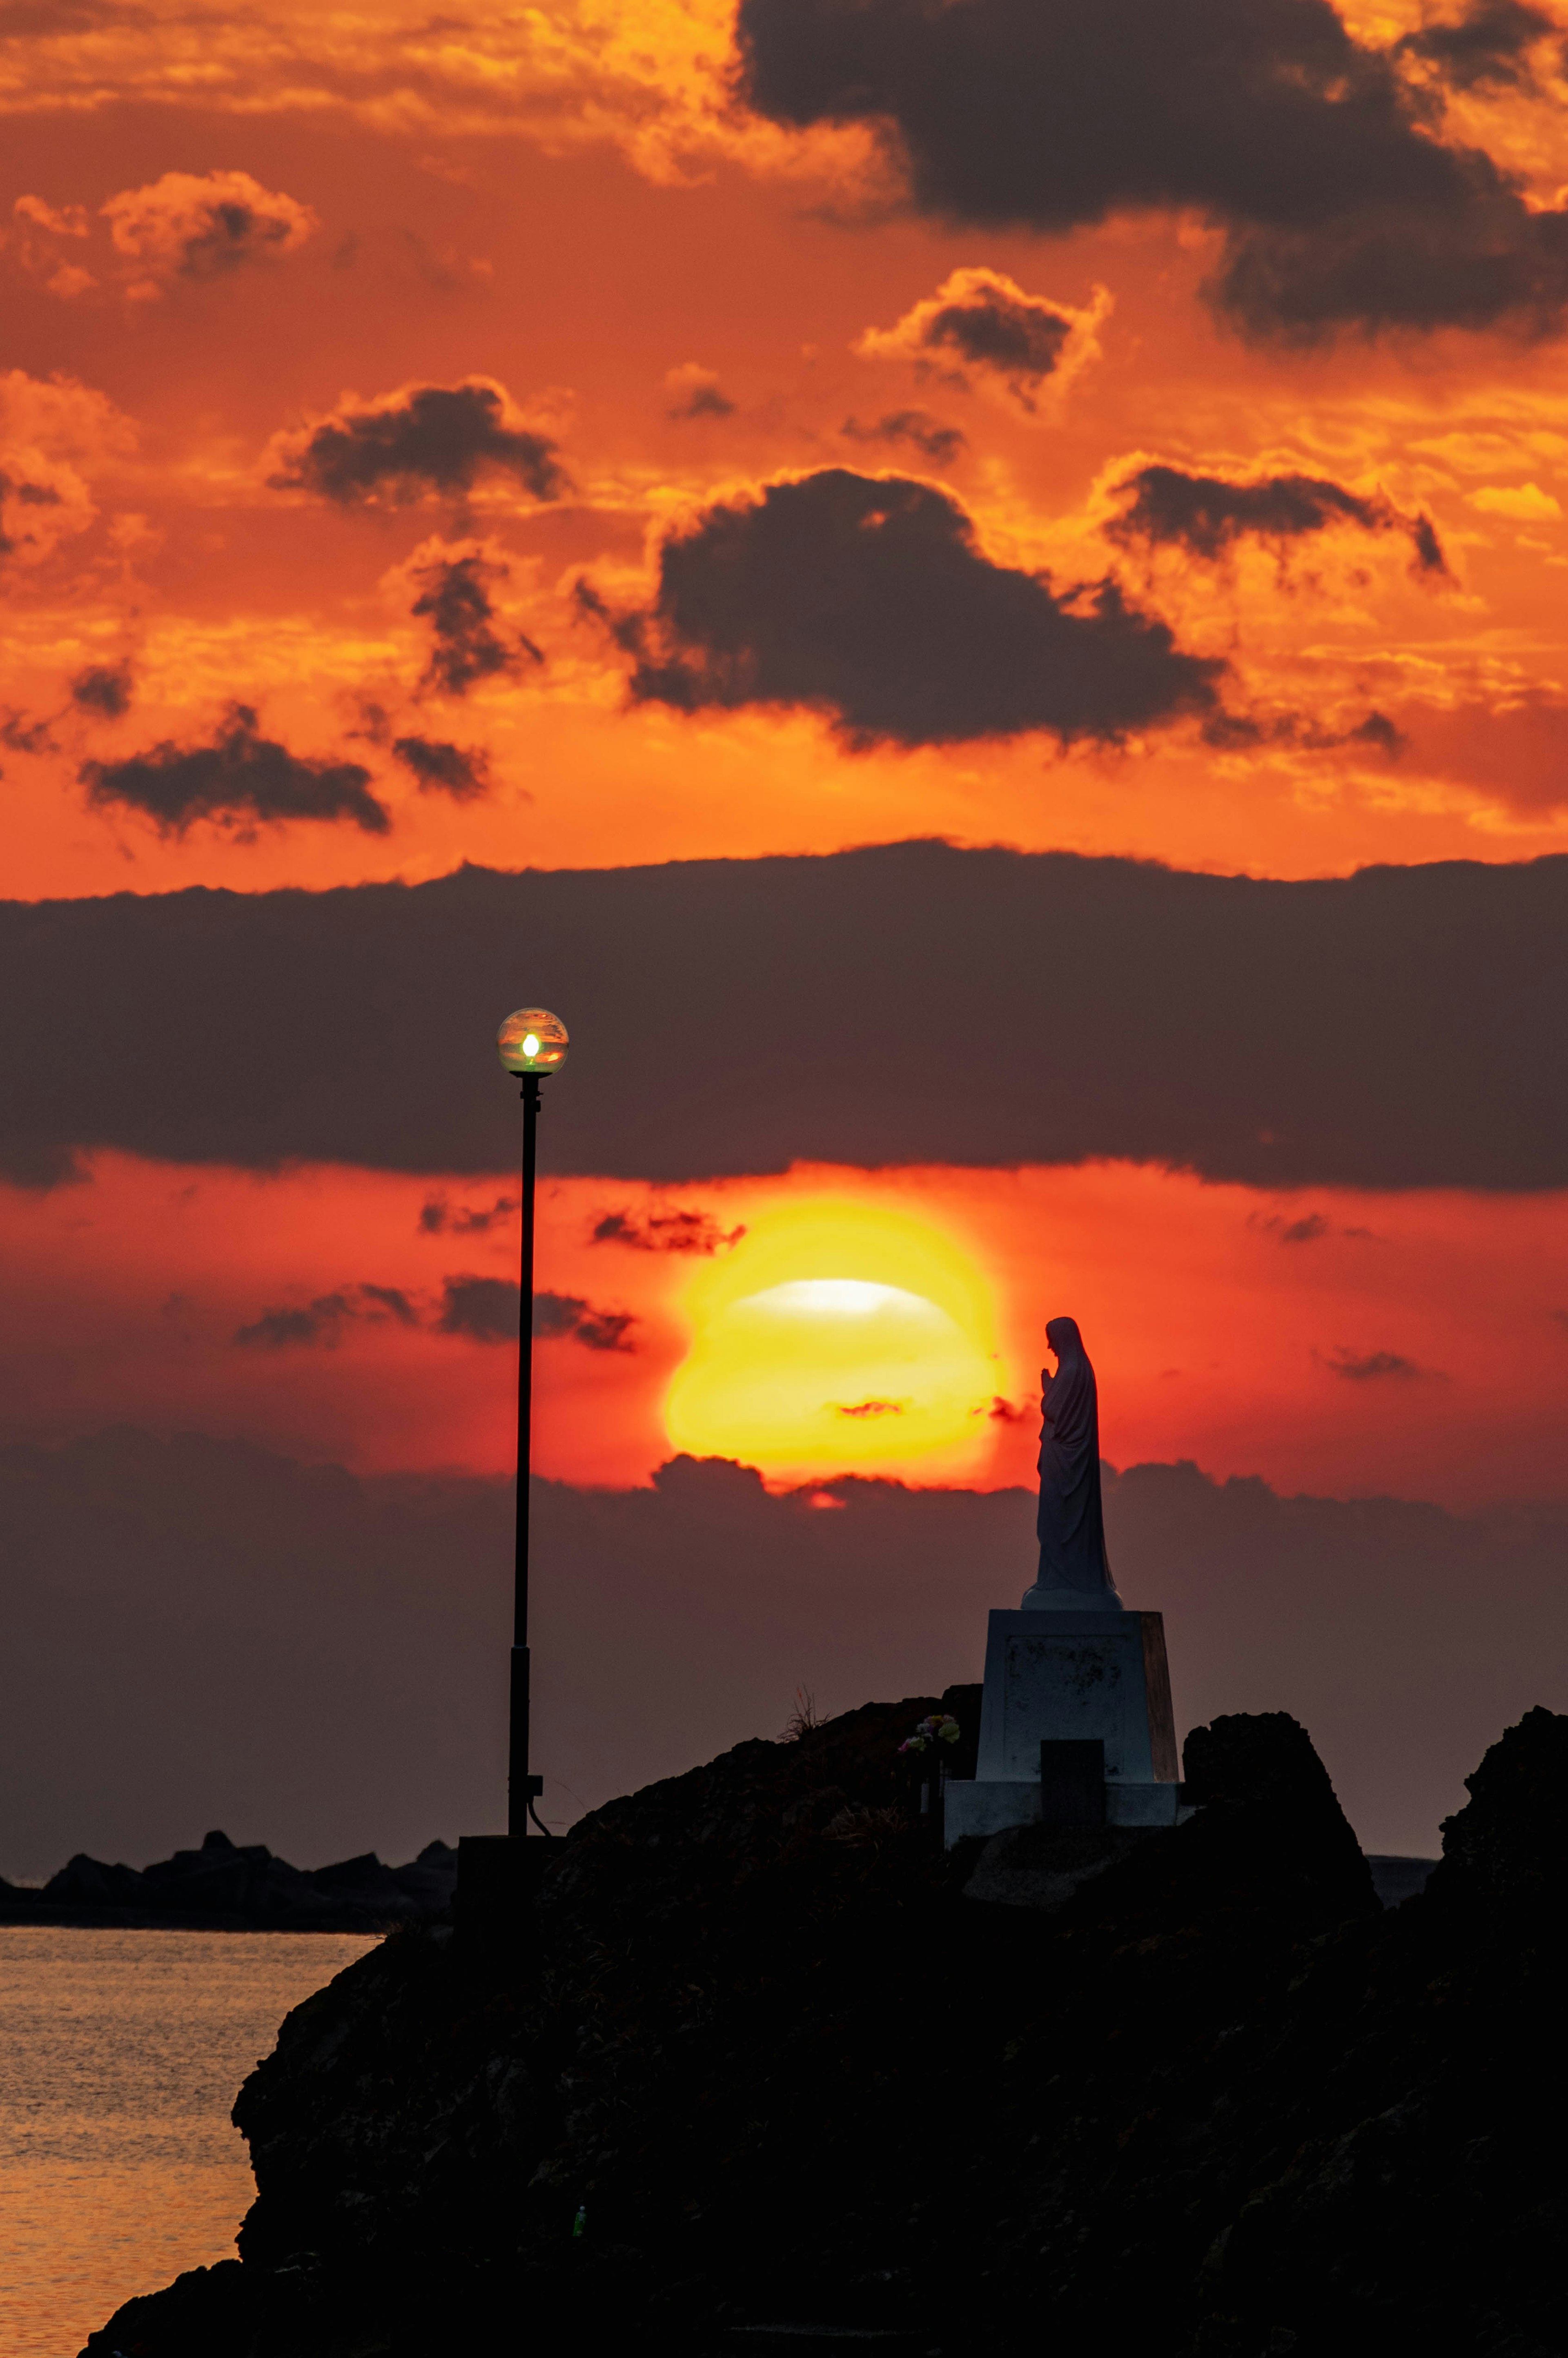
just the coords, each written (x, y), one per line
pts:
(227, 1886)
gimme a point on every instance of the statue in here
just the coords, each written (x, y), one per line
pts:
(1075, 1570)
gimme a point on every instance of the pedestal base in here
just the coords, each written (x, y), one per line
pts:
(1072, 1680)
(990, 1805)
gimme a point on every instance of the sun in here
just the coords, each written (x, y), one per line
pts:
(839, 1337)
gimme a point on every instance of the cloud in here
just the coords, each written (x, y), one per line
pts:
(423, 441)
(239, 780)
(319, 1324)
(54, 436)
(454, 582)
(941, 444)
(59, 220)
(869, 599)
(485, 1310)
(1236, 731)
(1520, 502)
(23, 735)
(1207, 516)
(1373, 1367)
(1321, 1033)
(104, 689)
(438, 1217)
(460, 771)
(980, 324)
(193, 226)
(672, 1230)
(1484, 49)
(696, 394)
(283, 1625)
(560, 1315)
(1316, 158)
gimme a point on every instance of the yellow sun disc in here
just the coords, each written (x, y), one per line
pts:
(839, 1337)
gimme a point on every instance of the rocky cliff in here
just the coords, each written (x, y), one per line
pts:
(797, 2084)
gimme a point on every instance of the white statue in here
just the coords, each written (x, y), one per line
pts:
(1075, 1570)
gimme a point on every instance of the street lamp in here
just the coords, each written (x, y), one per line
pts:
(532, 1044)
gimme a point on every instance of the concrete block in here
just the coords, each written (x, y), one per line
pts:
(971, 1807)
(1066, 1677)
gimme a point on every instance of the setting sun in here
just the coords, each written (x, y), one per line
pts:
(839, 1335)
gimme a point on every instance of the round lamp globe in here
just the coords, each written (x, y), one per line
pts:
(532, 1041)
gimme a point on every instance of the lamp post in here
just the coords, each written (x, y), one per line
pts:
(532, 1044)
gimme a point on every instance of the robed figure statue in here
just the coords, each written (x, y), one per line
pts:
(1075, 1570)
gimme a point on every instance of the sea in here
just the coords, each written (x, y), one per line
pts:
(120, 2054)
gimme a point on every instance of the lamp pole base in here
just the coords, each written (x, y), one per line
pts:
(498, 1879)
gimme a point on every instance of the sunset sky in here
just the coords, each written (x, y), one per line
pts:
(637, 438)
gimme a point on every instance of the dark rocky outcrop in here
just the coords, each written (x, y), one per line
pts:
(792, 2070)
(224, 1887)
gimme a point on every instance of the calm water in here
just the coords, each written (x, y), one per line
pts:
(120, 2056)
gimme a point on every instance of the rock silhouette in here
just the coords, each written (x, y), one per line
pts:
(226, 1887)
(787, 2070)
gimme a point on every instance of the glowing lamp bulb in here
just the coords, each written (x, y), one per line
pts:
(532, 1040)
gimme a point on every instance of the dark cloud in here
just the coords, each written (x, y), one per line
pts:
(484, 1309)
(460, 771)
(698, 394)
(390, 1299)
(455, 600)
(1016, 340)
(670, 1230)
(21, 735)
(1373, 1367)
(282, 1628)
(203, 226)
(869, 599)
(241, 779)
(319, 1324)
(1428, 547)
(871, 1407)
(27, 495)
(558, 1316)
(1231, 732)
(980, 322)
(426, 439)
(905, 1004)
(104, 689)
(1484, 49)
(439, 1219)
(916, 427)
(1341, 206)
(1207, 515)
(1304, 1231)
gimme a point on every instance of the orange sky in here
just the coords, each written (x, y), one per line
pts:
(1332, 1342)
(565, 255)
(681, 302)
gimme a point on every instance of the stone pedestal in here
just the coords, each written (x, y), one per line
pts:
(1057, 1676)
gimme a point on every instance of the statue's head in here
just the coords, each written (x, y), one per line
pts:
(1062, 1336)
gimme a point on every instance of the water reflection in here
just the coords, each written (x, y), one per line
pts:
(120, 2056)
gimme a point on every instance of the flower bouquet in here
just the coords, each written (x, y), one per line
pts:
(938, 1727)
(924, 1751)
